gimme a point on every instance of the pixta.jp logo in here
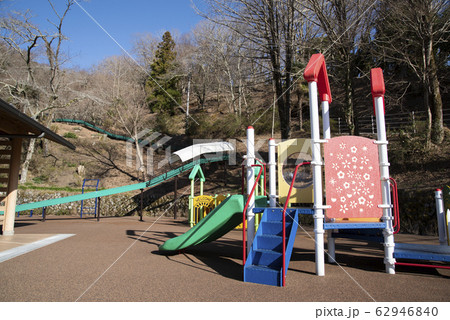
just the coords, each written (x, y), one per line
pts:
(152, 141)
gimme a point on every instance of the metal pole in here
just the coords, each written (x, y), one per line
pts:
(250, 182)
(317, 179)
(98, 209)
(326, 119)
(141, 211)
(377, 83)
(440, 216)
(175, 196)
(272, 174)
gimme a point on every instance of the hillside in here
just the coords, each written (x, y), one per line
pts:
(105, 158)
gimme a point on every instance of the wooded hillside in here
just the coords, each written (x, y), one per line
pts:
(243, 65)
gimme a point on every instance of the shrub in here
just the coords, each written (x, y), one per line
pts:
(40, 179)
(70, 135)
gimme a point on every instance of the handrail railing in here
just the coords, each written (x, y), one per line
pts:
(283, 271)
(396, 224)
(244, 250)
(108, 192)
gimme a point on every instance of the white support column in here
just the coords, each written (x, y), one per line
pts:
(317, 178)
(388, 232)
(326, 119)
(440, 216)
(327, 135)
(272, 174)
(250, 182)
(13, 181)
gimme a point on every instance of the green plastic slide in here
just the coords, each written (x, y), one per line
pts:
(224, 218)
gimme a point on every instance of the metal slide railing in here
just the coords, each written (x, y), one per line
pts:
(107, 192)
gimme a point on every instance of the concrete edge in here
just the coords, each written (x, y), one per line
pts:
(15, 252)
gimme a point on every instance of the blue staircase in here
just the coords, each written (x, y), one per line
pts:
(265, 262)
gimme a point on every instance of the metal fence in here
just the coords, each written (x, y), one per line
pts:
(414, 121)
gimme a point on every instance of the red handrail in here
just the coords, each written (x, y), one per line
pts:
(283, 271)
(396, 224)
(244, 255)
(421, 265)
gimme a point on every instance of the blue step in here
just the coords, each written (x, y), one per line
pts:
(269, 242)
(269, 258)
(265, 261)
(274, 227)
(262, 275)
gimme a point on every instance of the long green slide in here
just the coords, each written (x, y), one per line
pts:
(224, 218)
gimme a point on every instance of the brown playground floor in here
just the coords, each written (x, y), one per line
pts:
(116, 259)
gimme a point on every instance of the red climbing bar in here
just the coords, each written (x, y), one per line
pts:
(316, 71)
(377, 85)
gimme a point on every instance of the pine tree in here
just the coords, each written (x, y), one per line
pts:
(162, 85)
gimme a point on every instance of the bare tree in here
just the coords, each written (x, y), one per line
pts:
(144, 47)
(409, 32)
(271, 27)
(126, 98)
(37, 89)
(346, 26)
(220, 55)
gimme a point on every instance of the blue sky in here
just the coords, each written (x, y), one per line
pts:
(122, 19)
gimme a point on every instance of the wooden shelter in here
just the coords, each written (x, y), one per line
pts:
(15, 126)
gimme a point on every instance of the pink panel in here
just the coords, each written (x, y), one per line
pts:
(352, 178)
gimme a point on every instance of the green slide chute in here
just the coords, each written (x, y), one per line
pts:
(224, 218)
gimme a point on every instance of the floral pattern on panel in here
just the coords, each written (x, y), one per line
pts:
(352, 178)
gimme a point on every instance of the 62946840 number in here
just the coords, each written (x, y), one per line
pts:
(406, 311)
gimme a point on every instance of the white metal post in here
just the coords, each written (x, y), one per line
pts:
(326, 119)
(272, 174)
(388, 232)
(440, 216)
(327, 135)
(250, 182)
(317, 178)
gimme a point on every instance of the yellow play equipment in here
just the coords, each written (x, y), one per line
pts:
(201, 205)
(290, 153)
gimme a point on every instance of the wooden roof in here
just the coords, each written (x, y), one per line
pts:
(14, 123)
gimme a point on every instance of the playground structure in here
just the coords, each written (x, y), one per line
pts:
(355, 172)
(201, 205)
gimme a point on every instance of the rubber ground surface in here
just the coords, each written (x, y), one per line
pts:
(116, 259)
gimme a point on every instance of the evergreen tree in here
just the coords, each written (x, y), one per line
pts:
(162, 85)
